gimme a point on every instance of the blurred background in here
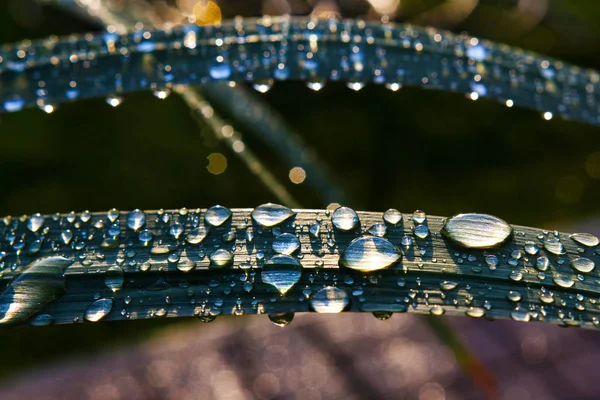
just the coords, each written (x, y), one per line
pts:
(411, 149)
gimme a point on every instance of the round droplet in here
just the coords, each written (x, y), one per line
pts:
(281, 319)
(492, 261)
(269, 215)
(369, 253)
(437, 310)
(513, 296)
(477, 231)
(585, 239)
(220, 258)
(136, 219)
(421, 231)
(217, 215)
(555, 247)
(112, 215)
(519, 314)
(475, 312)
(392, 216)
(282, 272)
(98, 310)
(378, 230)
(563, 280)
(345, 219)
(329, 300)
(583, 264)
(286, 243)
(419, 217)
(35, 222)
(176, 230)
(113, 278)
(196, 235)
(145, 236)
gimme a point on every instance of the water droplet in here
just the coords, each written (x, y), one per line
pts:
(42, 320)
(282, 272)
(378, 230)
(35, 222)
(531, 248)
(542, 263)
(113, 215)
(519, 314)
(281, 319)
(419, 217)
(315, 230)
(421, 231)
(585, 239)
(98, 310)
(513, 296)
(186, 266)
(475, 312)
(41, 282)
(437, 310)
(392, 216)
(555, 247)
(329, 300)
(563, 280)
(315, 85)
(113, 278)
(492, 261)
(345, 219)
(136, 219)
(66, 236)
(145, 236)
(217, 215)
(477, 231)
(269, 215)
(196, 235)
(406, 241)
(220, 258)
(582, 264)
(286, 243)
(176, 231)
(369, 253)
(448, 285)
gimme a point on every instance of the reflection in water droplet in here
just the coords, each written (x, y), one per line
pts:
(281, 319)
(113, 278)
(345, 219)
(369, 253)
(563, 280)
(519, 314)
(186, 266)
(112, 215)
(217, 215)
(419, 217)
(542, 263)
(35, 222)
(392, 216)
(513, 296)
(329, 300)
(286, 243)
(269, 215)
(282, 272)
(531, 248)
(220, 258)
(98, 310)
(585, 239)
(176, 230)
(477, 231)
(41, 282)
(378, 230)
(66, 236)
(421, 231)
(196, 235)
(555, 247)
(475, 312)
(583, 264)
(136, 219)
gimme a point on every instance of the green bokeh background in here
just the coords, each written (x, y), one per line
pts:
(413, 149)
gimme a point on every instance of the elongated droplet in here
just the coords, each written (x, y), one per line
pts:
(477, 231)
(42, 320)
(136, 219)
(113, 278)
(35, 222)
(41, 282)
(196, 235)
(282, 272)
(176, 230)
(345, 219)
(583, 264)
(555, 247)
(475, 312)
(585, 239)
(369, 253)
(281, 319)
(392, 216)
(217, 215)
(329, 300)
(220, 258)
(98, 310)
(448, 285)
(269, 215)
(563, 280)
(286, 243)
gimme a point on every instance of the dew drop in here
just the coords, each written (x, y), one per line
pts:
(437, 310)
(519, 314)
(585, 239)
(421, 231)
(531, 248)
(113, 278)
(112, 215)
(583, 264)
(564, 281)
(555, 247)
(282, 272)
(392, 216)
(66, 236)
(542, 263)
(513, 296)
(217, 215)
(286, 243)
(448, 285)
(35, 222)
(176, 230)
(98, 310)
(345, 219)
(475, 312)
(492, 261)
(42, 320)
(269, 215)
(329, 300)
(196, 235)
(281, 319)
(369, 253)
(186, 266)
(136, 219)
(220, 258)
(378, 230)
(477, 231)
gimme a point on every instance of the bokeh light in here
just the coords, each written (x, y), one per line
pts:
(217, 163)
(297, 175)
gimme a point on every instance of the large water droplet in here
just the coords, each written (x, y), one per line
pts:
(519, 314)
(282, 272)
(113, 278)
(286, 243)
(392, 216)
(98, 310)
(41, 282)
(196, 235)
(475, 312)
(35, 222)
(542, 263)
(585, 239)
(477, 231)
(369, 253)
(176, 230)
(421, 231)
(136, 219)
(563, 280)
(281, 319)
(583, 264)
(269, 215)
(329, 300)
(555, 247)
(345, 219)
(217, 215)
(220, 258)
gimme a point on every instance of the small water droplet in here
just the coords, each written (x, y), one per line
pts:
(186, 266)
(282, 272)
(531, 248)
(281, 319)
(421, 231)
(113, 278)
(419, 217)
(437, 310)
(329, 300)
(369, 253)
(378, 230)
(392, 216)
(555, 247)
(176, 230)
(196, 235)
(35, 222)
(286, 243)
(98, 310)
(582, 264)
(136, 219)
(563, 280)
(269, 215)
(492, 261)
(345, 219)
(217, 215)
(519, 314)
(513, 296)
(542, 263)
(477, 231)
(113, 215)
(220, 258)
(475, 312)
